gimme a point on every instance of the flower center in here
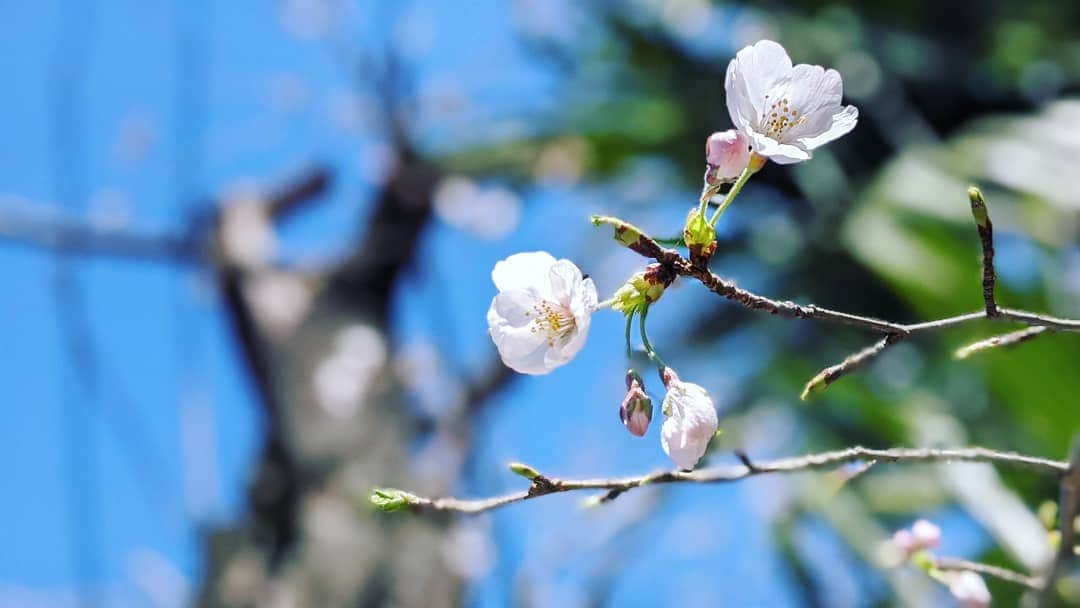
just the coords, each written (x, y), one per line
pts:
(780, 118)
(554, 321)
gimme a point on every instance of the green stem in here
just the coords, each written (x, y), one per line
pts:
(735, 188)
(629, 326)
(708, 192)
(649, 350)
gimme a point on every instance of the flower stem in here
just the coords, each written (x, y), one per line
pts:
(649, 350)
(709, 191)
(629, 326)
(735, 188)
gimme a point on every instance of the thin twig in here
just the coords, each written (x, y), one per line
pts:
(830, 374)
(1004, 340)
(723, 474)
(986, 238)
(1012, 576)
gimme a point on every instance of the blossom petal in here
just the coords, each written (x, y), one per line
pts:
(522, 270)
(814, 88)
(760, 67)
(783, 154)
(689, 425)
(840, 124)
(520, 348)
(565, 278)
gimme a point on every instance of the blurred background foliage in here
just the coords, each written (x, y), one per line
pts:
(452, 134)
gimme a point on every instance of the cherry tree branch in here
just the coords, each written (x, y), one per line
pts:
(676, 265)
(1012, 576)
(393, 500)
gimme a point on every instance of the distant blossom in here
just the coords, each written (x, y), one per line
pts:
(969, 589)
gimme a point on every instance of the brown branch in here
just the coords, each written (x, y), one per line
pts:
(544, 485)
(676, 265)
(986, 238)
(1012, 576)
(1004, 340)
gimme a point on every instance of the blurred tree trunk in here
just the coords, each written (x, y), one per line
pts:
(337, 423)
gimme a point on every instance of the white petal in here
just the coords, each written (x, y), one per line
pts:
(814, 88)
(583, 300)
(520, 348)
(839, 125)
(760, 67)
(564, 277)
(690, 424)
(783, 154)
(524, 270)
(742, 111)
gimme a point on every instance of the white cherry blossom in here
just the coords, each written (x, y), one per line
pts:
(540, 318)
(786, 111)
(689, 421)
(969, 589)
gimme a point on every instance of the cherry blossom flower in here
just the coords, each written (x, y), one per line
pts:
(969, 589)
(689, 421)
(540, 318)
(727, 153)
(636, 409)
(786, 111)
(926, 534)
(923, 535)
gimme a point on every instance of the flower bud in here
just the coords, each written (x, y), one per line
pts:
(922, 536)
(520, 468)
(636, 409)
(391, 499)
(969, 589)
(639, 290)
(926, 534)
(689, 421)
(904, 540)
(727, 153)
(700, 237)
(978, 206)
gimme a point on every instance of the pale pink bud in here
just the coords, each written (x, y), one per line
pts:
(727, 153)
(636, 409)
(969, 589)
(926, 534)
(905, 541)
(689, 421)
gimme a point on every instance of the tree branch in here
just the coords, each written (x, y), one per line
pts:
(392, 500)
(634, 238)
(1004, 340)
(1012, 576)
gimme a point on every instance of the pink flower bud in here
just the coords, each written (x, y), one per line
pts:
(905, 541)
(926, 534)
(636, 409)
(969, 589)
(727, 153)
